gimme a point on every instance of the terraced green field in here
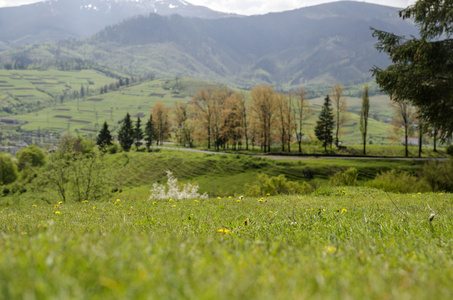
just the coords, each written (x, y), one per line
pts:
(24, 91)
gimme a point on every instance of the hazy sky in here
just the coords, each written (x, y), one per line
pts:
(248, 7)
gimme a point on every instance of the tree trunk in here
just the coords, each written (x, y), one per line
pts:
(435, 140)
(406, 138)
(420, 141)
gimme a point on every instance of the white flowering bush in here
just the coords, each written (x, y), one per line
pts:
(174, 191)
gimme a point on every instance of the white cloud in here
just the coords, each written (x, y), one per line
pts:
(4, 3)
(248, 7)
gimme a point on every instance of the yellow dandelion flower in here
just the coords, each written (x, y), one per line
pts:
(9, 215)
(238, 201)
(154, 203)
(169, 200)
(344, 210)
(441, 194)
(61, 202)
(57, 212)
(85, 201)
(56, 205)
(34, 205)
(419, 193)
(261, 200)
(268, 194)
(173, 206)
(223, 231)
(219, 198)
(330, 249)
(118, 200)
(196, 201)
(94, 207)
(229, 197)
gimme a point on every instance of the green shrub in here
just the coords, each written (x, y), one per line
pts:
(276, 186)
(32, 156)
(346, 178)
(439, 175)
(112, 149)
(449, 150)
(8, 169)
(402, 182)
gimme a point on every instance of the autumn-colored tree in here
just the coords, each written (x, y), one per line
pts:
(184, 127)
(232, 129)
(160, 111)
(263, 106)
(218, 116)
(203, 110)
(302, 113)
(404, 118)
(340, 109)
(284, 108)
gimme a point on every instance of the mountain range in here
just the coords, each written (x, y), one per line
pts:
(53, 20)
(321, 44)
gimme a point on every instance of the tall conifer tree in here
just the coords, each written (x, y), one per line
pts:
(126, 133)
(104, 139)
(150, 132)
(325, 124)
(138, 133)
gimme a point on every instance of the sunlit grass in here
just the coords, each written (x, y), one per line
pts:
(358, 244)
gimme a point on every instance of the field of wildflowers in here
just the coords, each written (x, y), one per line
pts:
(359, 243)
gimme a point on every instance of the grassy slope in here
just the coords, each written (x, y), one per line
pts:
(136, 172)
(111, 107)
(356, 245)
(28, 87)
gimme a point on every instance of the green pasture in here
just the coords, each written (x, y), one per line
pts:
(357, 244)
(83, 116)
(23, 91)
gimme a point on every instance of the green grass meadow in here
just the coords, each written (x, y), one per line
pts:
(23, 91)
(358, 244)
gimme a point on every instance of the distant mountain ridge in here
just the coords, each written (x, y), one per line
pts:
(55, 20)
(315, 45)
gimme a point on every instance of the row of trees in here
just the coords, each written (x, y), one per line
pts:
(219, 118)
(130, 134)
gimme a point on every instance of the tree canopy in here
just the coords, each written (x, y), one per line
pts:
(422, 69)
